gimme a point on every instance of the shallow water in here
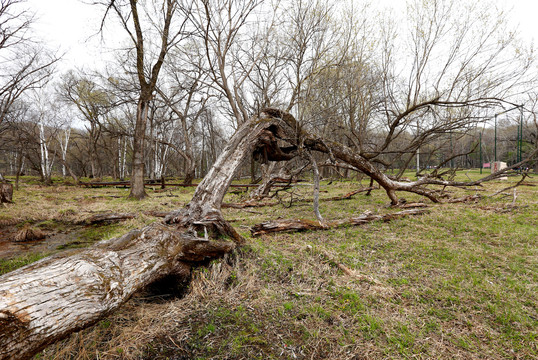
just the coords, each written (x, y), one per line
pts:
(10, 248)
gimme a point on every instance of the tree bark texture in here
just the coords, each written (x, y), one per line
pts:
(47, 300)
(137, 180)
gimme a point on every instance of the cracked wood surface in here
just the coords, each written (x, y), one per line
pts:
(46, 301)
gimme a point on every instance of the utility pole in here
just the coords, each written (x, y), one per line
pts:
(495, 156)
(481, 163)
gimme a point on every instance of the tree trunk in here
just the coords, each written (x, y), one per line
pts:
(137, 178)
(189, 173)
(46, 301)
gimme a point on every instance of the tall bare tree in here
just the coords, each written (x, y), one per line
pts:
(142, 20)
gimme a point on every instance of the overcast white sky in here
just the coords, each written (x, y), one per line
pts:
(70, 24)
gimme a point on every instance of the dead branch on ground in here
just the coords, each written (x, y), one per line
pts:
(294, 225)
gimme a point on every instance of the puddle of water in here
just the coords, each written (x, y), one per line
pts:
(10, 249)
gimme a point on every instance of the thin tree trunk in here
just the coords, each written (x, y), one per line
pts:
(316, 190)
(19, 169)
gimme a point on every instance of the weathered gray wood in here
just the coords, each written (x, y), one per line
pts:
(107, 217)
(46, 301)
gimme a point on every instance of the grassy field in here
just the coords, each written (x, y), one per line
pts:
(460, 282)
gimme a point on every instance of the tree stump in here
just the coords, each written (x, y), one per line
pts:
(6, 193)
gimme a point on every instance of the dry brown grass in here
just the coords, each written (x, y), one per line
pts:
(458, 283)
(28, 233)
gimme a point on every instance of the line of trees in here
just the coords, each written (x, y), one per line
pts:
(402, 94)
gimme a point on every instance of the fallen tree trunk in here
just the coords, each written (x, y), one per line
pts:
(46, 301)
(293, 225)
(107, 217)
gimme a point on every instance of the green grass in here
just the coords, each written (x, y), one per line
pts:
(458, 282)
(8, 265)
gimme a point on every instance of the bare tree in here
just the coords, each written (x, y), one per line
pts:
(461, 63)
(184, 93)
(94, 103)
(220, 26)
(24, 65)
(140, 19)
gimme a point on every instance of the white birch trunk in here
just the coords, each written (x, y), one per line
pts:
(64, 143)
(122, 156)
(46, 163)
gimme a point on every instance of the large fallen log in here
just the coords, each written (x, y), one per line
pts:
(46, 301)
(293, 225)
